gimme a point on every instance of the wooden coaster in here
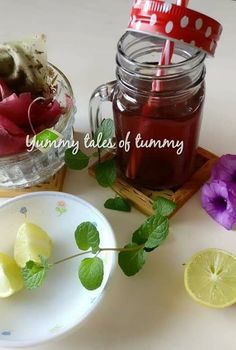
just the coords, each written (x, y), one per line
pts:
(142, 198)
(54, 183)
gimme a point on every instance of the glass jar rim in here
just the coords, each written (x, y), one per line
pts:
(198, 57)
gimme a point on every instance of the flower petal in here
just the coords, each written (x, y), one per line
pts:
(220, 203)
(225, 219)
(213, 189)
(7, 126)
(14, 123)
(225, 168)
(12, 138)
(43, 115)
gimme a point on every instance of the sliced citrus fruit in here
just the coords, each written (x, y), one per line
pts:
(10, 276)
(31, 242)
(210, 278)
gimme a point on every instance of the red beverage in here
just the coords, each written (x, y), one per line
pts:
(158, 96)
(166, 119)
(173, 124)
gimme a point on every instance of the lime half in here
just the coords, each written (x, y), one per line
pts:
(10, 276)
(210, 278)
(31, 242)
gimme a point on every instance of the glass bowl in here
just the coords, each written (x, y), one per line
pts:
(31, 168)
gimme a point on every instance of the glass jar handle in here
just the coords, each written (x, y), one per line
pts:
(102, 94)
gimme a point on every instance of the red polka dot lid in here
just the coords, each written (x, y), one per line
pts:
(175, 22)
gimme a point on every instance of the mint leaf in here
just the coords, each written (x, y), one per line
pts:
(76, 161)
(87, 236)
(106, 173)
(159, 226)
(91, 273)
(152, 232)
(164, 206)
(132, 261)
(118, 203)
(106, 130)
(44, 262)
(34, 274)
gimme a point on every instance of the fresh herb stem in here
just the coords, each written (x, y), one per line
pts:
(123, 249)
(71, 257)
(99, 251)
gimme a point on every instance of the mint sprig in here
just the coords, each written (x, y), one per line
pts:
(91, 272)
(34, 274)
(87, 236)
(105, 170)
(78, 161)
(150, 235)
(105, 132)
(132, 259)
(106, 173)
(153, 232)
(164, 206)
(118, 203)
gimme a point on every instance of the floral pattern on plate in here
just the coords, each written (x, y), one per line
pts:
(23, 210)
(61, 208)
(6, 333)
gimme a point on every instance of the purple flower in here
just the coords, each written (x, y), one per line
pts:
(220, 202)
(225, 170)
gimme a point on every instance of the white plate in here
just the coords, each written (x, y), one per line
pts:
(32, 317)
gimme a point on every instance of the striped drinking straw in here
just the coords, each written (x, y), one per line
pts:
(167, 51)
(165, 59)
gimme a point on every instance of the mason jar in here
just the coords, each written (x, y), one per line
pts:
(157, 110)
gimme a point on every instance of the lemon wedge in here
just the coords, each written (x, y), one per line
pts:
(31, 242)
(10, 276)
(210, 278)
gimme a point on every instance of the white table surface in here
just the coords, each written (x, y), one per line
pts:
(152, 309)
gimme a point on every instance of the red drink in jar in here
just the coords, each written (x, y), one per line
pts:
(157, 108)
(161, 127)
(162, 136)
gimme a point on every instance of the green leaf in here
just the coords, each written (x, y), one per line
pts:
(44, 262)
(106, 129)
(87, 236)
(76, 161)
(164, 206)
(106, 173)
(118, 203)
(152, 232)
(35, 274)
(91, 273)
(132, 261)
